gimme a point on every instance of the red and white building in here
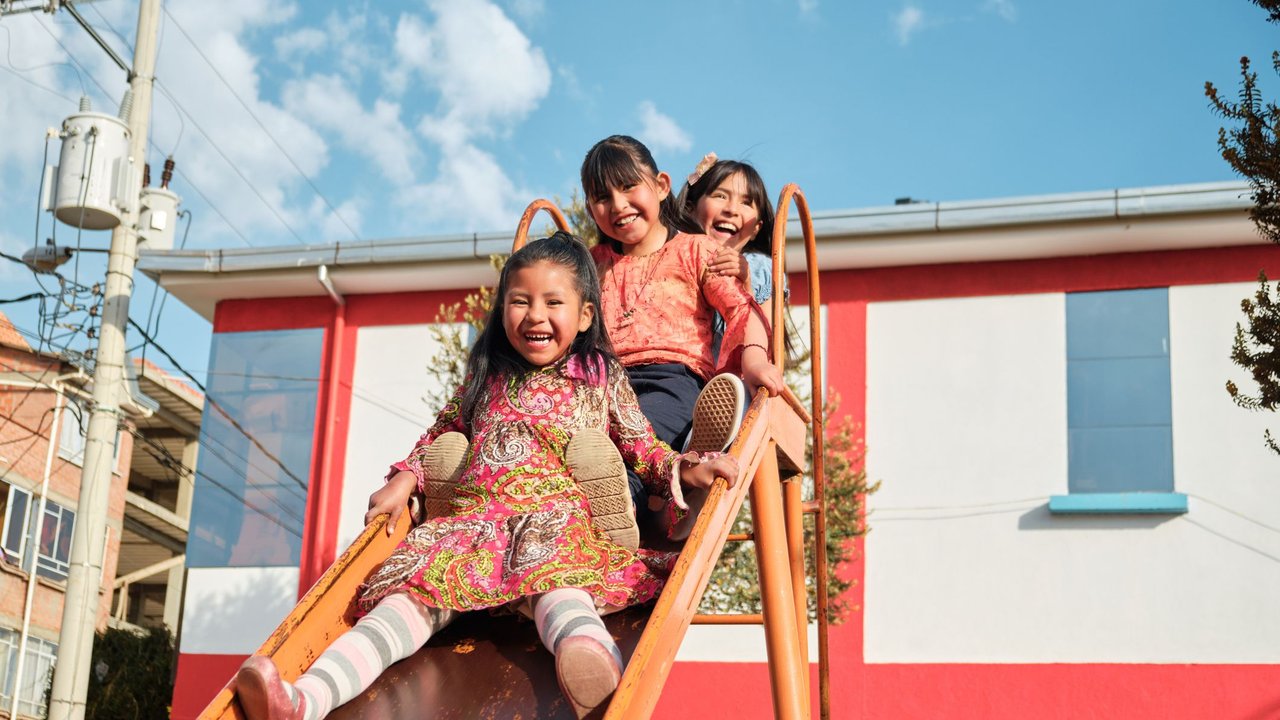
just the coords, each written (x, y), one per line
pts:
(1075, 519)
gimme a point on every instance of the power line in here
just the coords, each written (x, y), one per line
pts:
(217, 148)
(217, 210)
(214, 404)
(261, 125)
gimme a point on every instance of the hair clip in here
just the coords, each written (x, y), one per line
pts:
(703, 166)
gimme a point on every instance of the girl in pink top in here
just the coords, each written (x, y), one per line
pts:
(657, 297)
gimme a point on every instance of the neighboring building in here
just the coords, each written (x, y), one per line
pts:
(1074, 519)
(146, 522)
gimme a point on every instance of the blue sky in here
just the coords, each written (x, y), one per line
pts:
(431, 117)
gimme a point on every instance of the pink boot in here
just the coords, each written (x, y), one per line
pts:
(262, 693)
(587, 672)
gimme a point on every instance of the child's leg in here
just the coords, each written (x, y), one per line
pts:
(588, 662)
(667, 394)
(392, 631)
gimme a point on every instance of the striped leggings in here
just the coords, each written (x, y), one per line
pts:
(399, 625)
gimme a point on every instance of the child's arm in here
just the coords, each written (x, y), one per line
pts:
(406, 477)
(701, 472)
(746, 333)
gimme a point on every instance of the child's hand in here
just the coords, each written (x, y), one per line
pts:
(702, 474)
(392, 499)
(730, 263)
(758, 372)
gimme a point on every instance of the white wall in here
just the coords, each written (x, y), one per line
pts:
(232, 611)
(388, 412)
(966, 426)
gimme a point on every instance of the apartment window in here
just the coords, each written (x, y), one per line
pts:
(40, 657)
(52, 554)
(1119, 412)
(71, 436)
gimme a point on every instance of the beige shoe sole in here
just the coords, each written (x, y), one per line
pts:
(598, 469)
(441, 467)
(717, 414)
(587, 672)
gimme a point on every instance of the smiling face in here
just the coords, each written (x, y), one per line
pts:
(632, 214)
(543, 313)
(728, 213)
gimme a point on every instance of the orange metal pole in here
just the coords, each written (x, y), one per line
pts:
(526, 219)
(790, 193)
(793, 510)
(786, 666)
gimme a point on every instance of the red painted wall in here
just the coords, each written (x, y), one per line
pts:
(858, 689)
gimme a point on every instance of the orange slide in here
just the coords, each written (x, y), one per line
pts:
(483, 666)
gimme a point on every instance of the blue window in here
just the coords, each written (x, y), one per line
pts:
(255, 449)
(1119, 413)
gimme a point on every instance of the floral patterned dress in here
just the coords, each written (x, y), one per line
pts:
(520, 524)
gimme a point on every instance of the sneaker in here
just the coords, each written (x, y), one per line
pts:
(597, 467)
(262, 694)
(587, 671)
(441, 467)
(717, 417)
(717, 414)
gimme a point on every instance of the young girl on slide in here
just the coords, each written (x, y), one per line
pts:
(729, 201)
(518, 529)
(658, 301)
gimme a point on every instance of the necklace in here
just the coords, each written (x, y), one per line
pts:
(629, 309)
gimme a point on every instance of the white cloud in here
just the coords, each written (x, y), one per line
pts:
(337, 226)
(1003, 8)
(807, 7)
(489, 77)
(471, 186)
(377, 134)
(907, 22)
(529, 10)
(299, 44)
(660, 132)
(487, 72)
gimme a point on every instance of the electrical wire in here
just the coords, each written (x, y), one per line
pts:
(214, 404)
(261, 125)
(151, 143)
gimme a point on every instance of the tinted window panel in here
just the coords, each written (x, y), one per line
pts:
(255, 449)
(1119, 415)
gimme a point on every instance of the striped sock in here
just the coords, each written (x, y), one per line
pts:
(567, 612)
(392, 631)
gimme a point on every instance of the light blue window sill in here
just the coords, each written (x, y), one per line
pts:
(1135, 503)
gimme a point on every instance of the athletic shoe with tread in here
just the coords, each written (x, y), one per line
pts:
(717, 418)
(596, 465)
(441, 467)
(587, 672)
(717, 414)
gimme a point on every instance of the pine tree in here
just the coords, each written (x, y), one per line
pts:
(1252, 148)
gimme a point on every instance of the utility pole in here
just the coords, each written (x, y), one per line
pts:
(80, 609)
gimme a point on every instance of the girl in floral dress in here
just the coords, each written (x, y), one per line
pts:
(519, 533)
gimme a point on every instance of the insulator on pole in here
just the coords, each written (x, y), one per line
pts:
(85, 104)
(167, 175)
(126, 105)
(146, 175)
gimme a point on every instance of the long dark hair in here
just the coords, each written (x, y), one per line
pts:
(492, 354)
(715, 175)
(763, 241)
(619, 161)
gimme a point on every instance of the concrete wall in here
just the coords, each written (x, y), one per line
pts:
(966, 425)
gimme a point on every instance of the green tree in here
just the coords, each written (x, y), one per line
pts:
(734, 587)
(131, 677)
(1251, 146)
